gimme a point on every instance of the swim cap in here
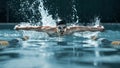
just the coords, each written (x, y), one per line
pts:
(61, 22)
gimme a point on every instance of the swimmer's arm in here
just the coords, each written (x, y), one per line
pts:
(97, 28)
(85, 28)
(76, 29)
(35, 28)
(49, 29)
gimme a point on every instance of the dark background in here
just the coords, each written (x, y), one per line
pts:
(107, 10)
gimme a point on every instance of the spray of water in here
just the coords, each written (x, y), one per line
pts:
(75, 17)
(36, 13)
(97, 21)
(46, 17)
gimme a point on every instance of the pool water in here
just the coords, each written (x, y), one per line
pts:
(73, 51)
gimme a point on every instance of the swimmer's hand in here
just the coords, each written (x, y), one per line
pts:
(99, 28)
(17, 27)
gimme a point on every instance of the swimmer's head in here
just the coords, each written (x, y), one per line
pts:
(61, 25)
(25, 38)
(60, 22)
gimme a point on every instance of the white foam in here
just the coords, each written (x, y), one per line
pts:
(47, 19)
(86, 34)
(97, 21)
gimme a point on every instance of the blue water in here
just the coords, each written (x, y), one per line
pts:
(74, 51)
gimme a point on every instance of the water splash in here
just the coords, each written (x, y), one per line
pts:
(86, 34)
(75, 17)
(35, 35)
(46, 17)
(36, 13)
(97, 21)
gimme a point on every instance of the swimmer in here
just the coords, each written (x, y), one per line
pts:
(60, 29)
(12, 43)
(103, 42)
